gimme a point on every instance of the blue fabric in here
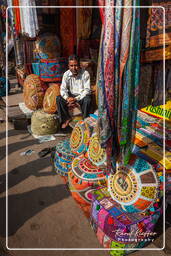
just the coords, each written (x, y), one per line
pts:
(36, 68)
(3, 86)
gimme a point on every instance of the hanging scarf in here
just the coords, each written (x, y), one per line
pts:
(17, 17)
(28, 16)
(115, 85)
(131, 87)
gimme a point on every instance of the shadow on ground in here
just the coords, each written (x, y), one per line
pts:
(22, 207)
(22, 172)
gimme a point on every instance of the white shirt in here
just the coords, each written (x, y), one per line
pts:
(79, 85)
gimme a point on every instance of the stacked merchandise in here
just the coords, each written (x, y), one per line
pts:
(84, 164)
(149, 140)
(124, 215)
(119, 230)
(123, 207)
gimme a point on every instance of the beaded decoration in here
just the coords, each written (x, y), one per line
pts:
(135, 186)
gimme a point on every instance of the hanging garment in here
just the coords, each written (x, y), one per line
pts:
(118, 84)
(17, 17)
(84, 19)
(67, 27)
(131, 87)
(155, 35)
(28, 16)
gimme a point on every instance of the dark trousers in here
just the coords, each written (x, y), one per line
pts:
(62, 107)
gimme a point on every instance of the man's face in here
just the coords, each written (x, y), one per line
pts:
(74, 67)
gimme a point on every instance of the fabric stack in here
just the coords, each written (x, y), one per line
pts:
(117, 229)
(124, 215)
(149, 140)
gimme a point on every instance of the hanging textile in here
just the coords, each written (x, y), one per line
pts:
(155, 34)
(67, 27)
(28, 16)
(118, 78)
(131, 87)
(17, 17)
(101, 3)
(84, 18)
(155, 23)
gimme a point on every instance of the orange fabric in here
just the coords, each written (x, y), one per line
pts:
(17, 16)
(49, 102)
(67, 27)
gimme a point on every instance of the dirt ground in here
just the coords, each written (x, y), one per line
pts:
(41, 212)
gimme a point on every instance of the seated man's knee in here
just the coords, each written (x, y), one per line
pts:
(87, 99)
(59, 98)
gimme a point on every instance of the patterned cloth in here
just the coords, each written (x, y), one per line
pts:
(134, 186)
(130, 88)
(116, 87)
(84, 178)
(52, 70)
(155, 36)
(116, 229)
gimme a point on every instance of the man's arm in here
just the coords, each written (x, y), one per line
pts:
(86, 90)
(63, 88)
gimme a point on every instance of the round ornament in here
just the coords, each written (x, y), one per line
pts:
(79, 138)
(134, 186)
(96, 153)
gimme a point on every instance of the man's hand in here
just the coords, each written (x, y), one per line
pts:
(71, 100)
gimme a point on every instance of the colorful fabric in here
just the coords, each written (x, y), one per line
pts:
(134, 186)
(34, 91)
(83, 179)
(3, 85)
(28, 17)
(67, 27)
(154, 154)
(17, 17)
(116, 229)
(49, 101)
(114, 86)
(131, 87)
(155, 36)
(52, 70)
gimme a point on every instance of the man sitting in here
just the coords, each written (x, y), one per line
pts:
(74, 90)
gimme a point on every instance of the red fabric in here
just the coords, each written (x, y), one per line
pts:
(67, 27)
(17, 16)
(101, 3)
